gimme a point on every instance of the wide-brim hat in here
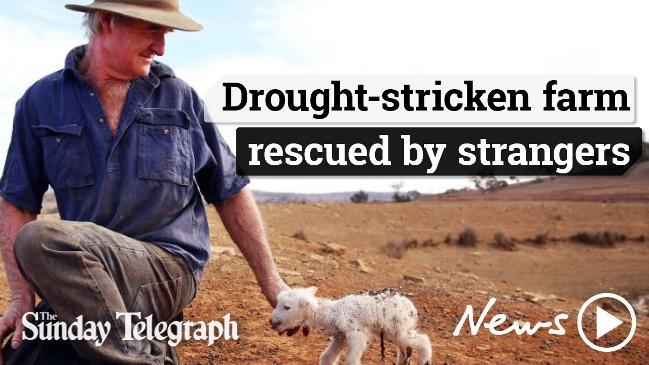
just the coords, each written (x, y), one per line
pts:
(162, 12)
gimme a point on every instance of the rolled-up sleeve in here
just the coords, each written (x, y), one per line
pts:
(216, 174)
(23, 181)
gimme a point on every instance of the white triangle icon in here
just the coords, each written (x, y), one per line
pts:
(606, 322)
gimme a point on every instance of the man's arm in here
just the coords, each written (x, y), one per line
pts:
(242, 220)
(22, 293)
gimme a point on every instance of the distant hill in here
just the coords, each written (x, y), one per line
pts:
(634, 186)
(49, 202)
(273, 197)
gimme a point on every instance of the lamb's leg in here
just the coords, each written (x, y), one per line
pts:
(332, 353)
(357, 343)
(403, 354)
(421, 344)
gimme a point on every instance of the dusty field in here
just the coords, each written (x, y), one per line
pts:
(454, 276)
(531, 284)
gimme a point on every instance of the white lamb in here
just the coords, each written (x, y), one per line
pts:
(352, 321)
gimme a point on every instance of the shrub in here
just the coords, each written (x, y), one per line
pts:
(541, 238)
(359, 197)
(494, 184)
(300, 235)
(488, 183)
(429, 243)
(502, 242)
(410, 243)
(468, 238)
(603, 238)
(395, 249)
(399, 197)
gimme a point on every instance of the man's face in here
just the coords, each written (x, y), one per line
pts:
(131, 46)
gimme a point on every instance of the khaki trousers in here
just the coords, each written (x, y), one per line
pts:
(80, 268)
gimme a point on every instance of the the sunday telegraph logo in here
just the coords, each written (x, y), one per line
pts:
(46, 326)
(605, 323)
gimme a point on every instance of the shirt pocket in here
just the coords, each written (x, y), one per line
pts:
(65, 155)
(164, 152)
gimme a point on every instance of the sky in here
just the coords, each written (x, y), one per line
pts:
(347, 36)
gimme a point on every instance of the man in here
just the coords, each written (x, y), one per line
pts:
(129, 150)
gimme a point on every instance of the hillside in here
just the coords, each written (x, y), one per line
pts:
(632, 187)
(532, 283)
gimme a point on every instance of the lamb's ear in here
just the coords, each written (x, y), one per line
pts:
(307, 296)
(312, 290)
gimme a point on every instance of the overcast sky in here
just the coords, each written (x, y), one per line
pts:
(336, 36)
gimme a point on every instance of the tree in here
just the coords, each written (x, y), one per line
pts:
(494, 184)
(488, 183)
(400, 197)
(359, 197)
(406, 197)
(414, 195)
(478, 183)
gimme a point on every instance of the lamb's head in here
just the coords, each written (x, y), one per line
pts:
(294, 307)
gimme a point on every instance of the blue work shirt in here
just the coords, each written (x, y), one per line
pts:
(145, 181)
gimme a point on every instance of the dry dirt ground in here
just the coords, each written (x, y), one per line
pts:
(534, 283)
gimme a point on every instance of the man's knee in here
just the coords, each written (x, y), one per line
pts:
(33, 241)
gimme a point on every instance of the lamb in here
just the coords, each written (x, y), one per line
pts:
(352, 322)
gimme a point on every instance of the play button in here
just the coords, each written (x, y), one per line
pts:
(605, 322)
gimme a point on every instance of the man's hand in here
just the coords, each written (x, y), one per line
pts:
(12, 321)
(242, 220)
(274, 290)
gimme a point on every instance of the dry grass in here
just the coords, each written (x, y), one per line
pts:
(541, 238)
(300, 235)
(504, 243)
(604, 238)
(468, 238)
(395, 250)
(398, 249)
